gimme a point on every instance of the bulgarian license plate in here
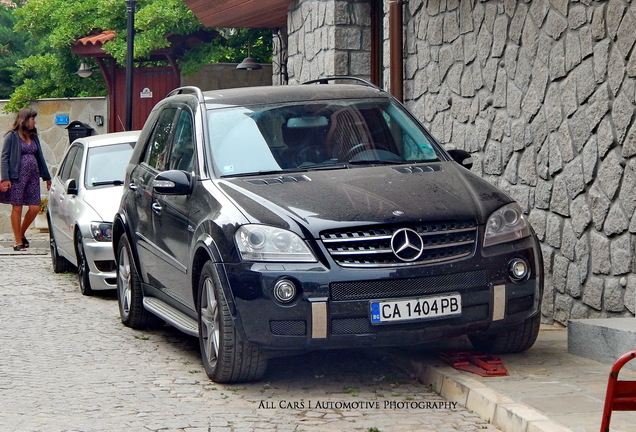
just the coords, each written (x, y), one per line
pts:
(415, 309)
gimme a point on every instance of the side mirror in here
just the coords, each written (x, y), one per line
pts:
(71, 187)
(172, 182)
(462, 157)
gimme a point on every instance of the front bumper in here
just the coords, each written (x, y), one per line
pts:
(332, 309)
(101, 264)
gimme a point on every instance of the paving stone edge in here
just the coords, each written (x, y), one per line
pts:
(490, 405)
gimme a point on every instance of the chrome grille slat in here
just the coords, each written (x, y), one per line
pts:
(371, 246)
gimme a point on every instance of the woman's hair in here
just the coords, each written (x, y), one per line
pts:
(20, 123)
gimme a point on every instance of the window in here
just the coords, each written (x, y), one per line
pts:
(182, 152)
(157, 150)
(76, 167)
(67, 163)
(107, 165)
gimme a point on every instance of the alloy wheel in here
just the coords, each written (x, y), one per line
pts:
(124, 281)
(210, 322)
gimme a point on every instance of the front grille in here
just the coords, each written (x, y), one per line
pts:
(288, 327)
(371, 246)
(396, 288)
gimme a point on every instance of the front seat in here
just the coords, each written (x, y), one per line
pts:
(305, 145)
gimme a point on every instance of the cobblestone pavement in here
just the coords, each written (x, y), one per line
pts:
(68, 364)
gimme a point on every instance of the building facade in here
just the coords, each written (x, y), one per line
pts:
(541, 92)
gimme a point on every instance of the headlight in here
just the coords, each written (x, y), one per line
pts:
(102, 231)
(266, 243)
(505, 225)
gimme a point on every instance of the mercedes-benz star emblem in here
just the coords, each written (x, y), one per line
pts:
(407, 244)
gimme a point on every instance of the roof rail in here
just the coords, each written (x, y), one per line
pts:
(342, 78)
(188, 90)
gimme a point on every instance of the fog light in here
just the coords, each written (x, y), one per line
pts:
(284, 291)
(518, 269)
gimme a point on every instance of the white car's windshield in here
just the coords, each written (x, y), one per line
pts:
(106, 165)
(314, 135)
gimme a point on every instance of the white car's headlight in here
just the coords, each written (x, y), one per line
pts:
(102, 231)
(506, 224)
(266, 243)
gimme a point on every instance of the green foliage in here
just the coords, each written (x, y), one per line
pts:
(231, 47)
(43, 65)
(13, 47)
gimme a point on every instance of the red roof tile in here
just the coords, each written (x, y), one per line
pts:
(97, 39)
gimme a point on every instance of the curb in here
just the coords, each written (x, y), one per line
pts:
(492, 406)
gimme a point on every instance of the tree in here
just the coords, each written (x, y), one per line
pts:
(56, 24)
(12, 48)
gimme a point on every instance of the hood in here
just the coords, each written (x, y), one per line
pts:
(319, 200)
(104, 201)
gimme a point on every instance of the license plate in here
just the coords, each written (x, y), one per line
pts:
(415, 309)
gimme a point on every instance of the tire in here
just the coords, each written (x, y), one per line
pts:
(60, 264)
(129, 294)
(225, 357)
(82, 266)
(515, 340)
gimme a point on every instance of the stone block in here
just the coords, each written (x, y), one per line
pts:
(602, 339)
(516, 417)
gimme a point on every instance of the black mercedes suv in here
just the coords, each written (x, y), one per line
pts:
(267, 220)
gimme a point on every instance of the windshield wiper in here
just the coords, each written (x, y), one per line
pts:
(257, 173)
(108, 182)
(377, 162)
(326, 166)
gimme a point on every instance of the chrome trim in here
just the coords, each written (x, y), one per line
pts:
(498, 302)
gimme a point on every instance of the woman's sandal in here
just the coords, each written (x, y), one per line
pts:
(25, 242)
(19, 248)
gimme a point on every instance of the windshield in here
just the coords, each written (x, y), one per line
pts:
(106, 165)
(315, 135)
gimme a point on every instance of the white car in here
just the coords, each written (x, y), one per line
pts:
(83, 200)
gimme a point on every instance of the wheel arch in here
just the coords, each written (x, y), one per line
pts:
(206, 250)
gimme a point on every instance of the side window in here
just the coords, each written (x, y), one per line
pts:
(77, 165)
(157, 151)
(67, 163)
(182, 151)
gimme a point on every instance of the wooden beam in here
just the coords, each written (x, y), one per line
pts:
(240, 13)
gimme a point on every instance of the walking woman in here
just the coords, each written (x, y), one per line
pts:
(22, 166)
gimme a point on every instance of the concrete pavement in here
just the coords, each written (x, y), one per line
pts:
(547, 390)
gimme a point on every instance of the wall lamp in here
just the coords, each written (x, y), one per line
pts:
(84, 70)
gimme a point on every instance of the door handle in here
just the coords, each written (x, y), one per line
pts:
(156, 207)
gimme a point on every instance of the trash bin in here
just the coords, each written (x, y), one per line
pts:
(77, 129)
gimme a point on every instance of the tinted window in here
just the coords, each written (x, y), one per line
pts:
(182, 151)
(157, 151)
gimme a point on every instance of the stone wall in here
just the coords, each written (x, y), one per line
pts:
(328, 37)
(225, 75)
(542, 93)
(53, 137)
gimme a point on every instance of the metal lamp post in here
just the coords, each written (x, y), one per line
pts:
(131, 5)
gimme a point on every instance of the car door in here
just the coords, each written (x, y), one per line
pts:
(62, 202)
(170, 215)
(153, 162)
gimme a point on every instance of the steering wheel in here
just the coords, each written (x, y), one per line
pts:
(359, 148)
